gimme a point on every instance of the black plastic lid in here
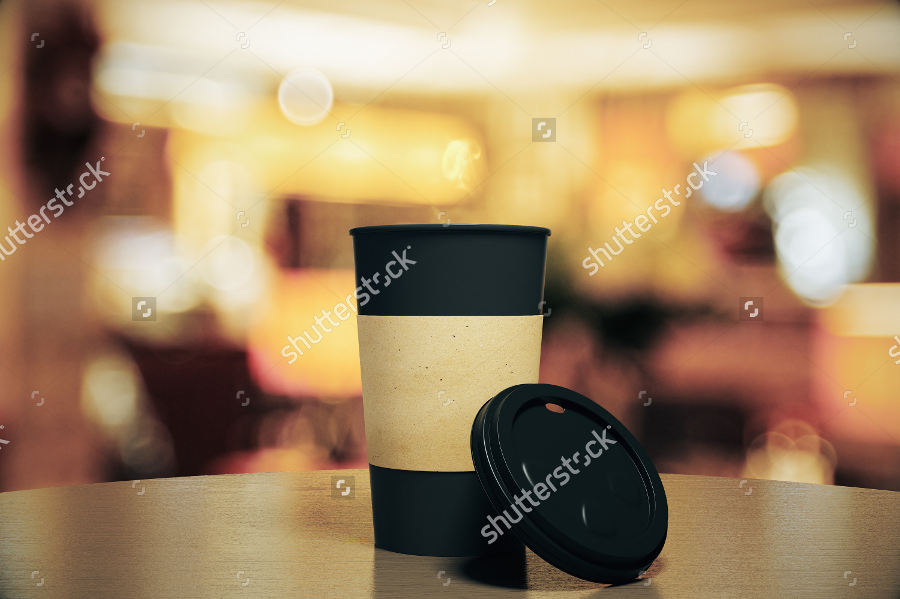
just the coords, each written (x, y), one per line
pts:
(602, 516)
(449, 228)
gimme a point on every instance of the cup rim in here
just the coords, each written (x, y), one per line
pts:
(451, 228)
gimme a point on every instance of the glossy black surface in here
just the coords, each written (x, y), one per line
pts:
(601, 510)
(458, 270)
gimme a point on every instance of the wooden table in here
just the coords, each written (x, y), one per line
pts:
(285, 535)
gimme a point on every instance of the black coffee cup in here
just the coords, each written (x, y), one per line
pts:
(448, 317)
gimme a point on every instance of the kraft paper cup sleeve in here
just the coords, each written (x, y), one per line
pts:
(424, 378)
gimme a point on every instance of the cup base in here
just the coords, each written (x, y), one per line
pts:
(433, 513)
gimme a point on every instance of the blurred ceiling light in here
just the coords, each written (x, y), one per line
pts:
(766, 115)
(744, 117)
(204, 103)
(395, 155)
(823, 232)
(458, 160)
(228, 263)
(165, 86)
(305, 97)
(210, 107)
(364, 49)
(735, 184)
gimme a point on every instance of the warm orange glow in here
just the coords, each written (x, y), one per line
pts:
(867, 310)
(791, 452)
(360, 154)
(264, 460)
(858, 371)
(749, 116)
(328, 369)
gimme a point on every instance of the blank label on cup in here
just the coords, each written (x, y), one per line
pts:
(425, 377)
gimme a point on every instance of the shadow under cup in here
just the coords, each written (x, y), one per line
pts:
(448, 317)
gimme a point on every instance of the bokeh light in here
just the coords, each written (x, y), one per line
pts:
(735, 184)
(458, 161)
(769, 111)
(305, 97)
(228, 262)
(142, 255)
(113, 397)
(823, 231)
(792, 451)
(110, 392)
(147, 448)
(745, 117)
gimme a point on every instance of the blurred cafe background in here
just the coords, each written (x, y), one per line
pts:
(245, 137)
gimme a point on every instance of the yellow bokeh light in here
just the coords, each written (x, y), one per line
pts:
(791, 452)
(748, 116)
(457, 163)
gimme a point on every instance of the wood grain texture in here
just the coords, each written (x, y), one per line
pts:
(287, 534)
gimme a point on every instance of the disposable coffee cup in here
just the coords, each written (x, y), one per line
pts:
(448, 316)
